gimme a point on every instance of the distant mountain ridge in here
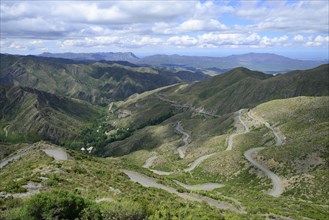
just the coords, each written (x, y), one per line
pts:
(109, 56)
(265, 62)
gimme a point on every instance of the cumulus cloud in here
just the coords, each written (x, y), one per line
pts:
(23, 45)
(299, 38)
(182, 41)
(30, 25)
(90, 41)
(285, 16)
(318, 41)
(188, 26)
(115, 12)
(248, 40)
(114, 41)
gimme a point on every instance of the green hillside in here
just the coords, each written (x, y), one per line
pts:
(85, 187)
(242, 145)
(243, 88)
(304, 158)
(216, 98)
(104, 186)
(301, 162)
(29, 115)
(92, 81)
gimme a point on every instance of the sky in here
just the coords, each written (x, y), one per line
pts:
(297, 29)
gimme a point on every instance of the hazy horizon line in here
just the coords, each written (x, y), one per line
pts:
(146, 54)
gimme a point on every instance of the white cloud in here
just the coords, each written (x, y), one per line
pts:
(299, 38)
(22, 45)
(320, 38)
(287, 17)
(188, 26)
(113, 41)
(90, 41)
(318, 41)
(69, 25)
(209, 9)
(141, 42)
(200, 25)
(230, 39)
(115, 12)
(17, 46)
(182, 41)
(218, 40)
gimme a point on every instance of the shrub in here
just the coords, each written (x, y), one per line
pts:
(125, 210)
(53, 180)
(58, 204)
(15, 187)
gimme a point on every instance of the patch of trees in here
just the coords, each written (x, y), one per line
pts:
(96, 137)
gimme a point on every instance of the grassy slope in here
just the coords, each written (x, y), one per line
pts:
(148, 109)
(242, 88)
(96, 178)
(242, 182)
(224, 94)
(306, 191)
(208, 135)
(304, 159)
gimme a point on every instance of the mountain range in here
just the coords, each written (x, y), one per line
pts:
(93, 81)
(265, 62)
(109, 56)
(111, 139)
(218, 96)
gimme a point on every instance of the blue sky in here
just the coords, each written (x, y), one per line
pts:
(297, 29)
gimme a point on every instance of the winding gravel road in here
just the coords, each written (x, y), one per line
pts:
(56, 153)
(230, 138)
(197, 110)
(16, 156)
(278, 136)
(148, 163)
(5, 129)
(151, 182)
(205, 186)
(277, 183)
(162, 173)
(197, 162)
(186, 136)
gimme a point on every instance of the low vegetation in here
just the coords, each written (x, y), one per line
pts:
(33, 186)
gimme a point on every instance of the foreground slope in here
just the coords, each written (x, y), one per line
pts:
(101, 186)
(230, 186)
(303, 160)
(299, 162)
